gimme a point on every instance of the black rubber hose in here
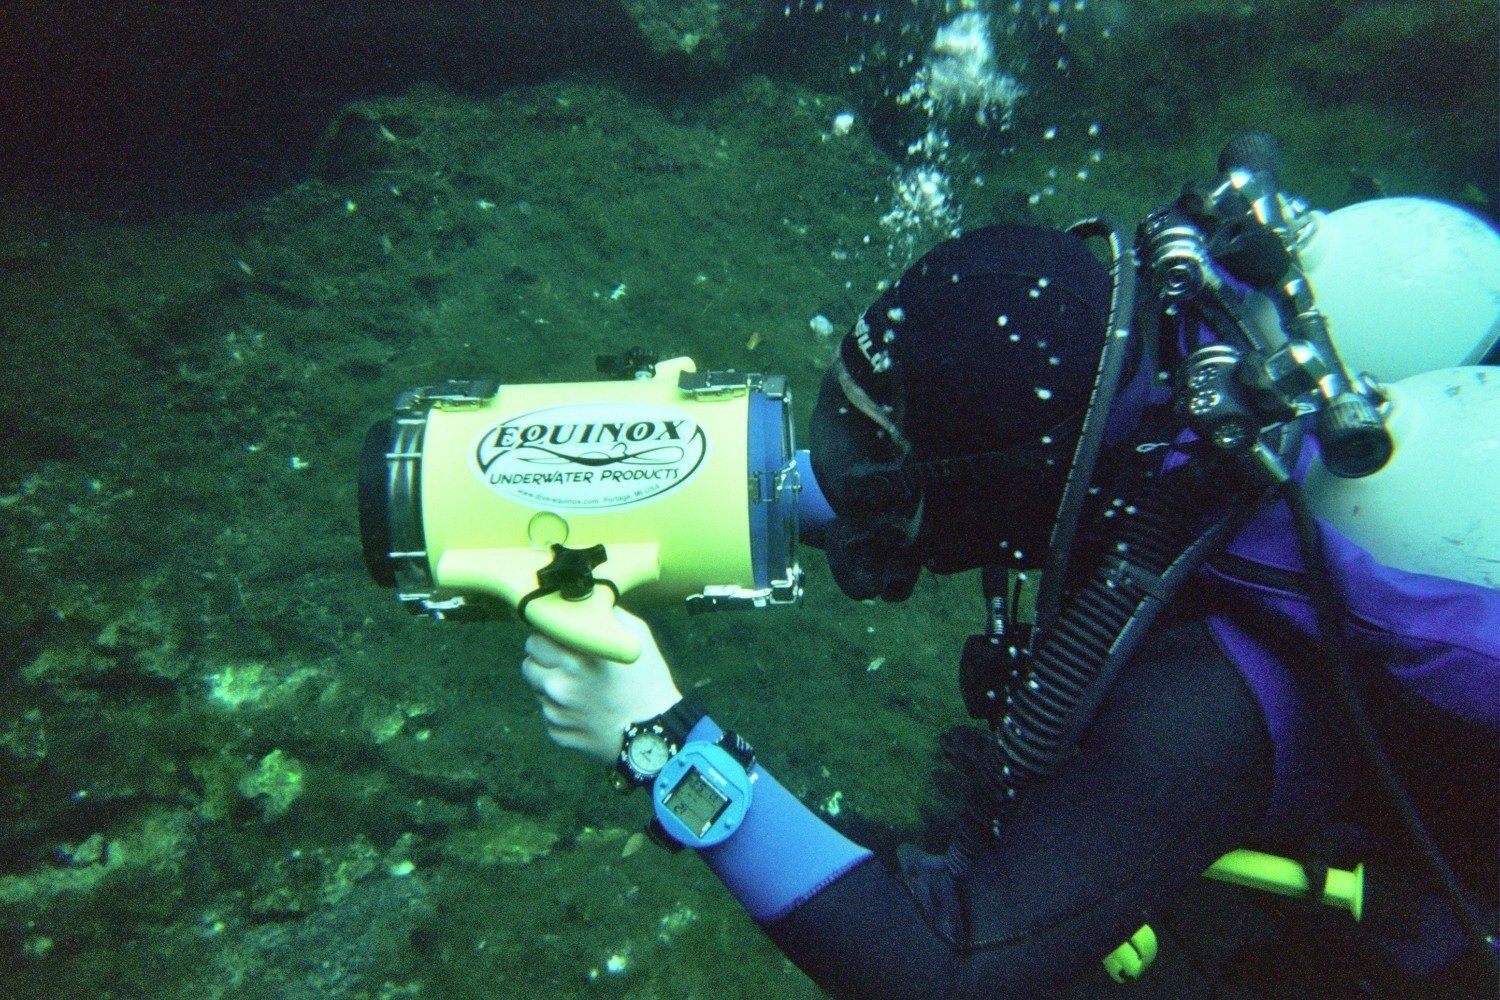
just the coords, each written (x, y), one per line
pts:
(1107, 379)
(1328, 606)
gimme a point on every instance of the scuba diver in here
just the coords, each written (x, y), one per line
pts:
(1183, 660)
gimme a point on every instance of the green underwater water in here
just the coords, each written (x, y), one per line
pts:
(231, 766)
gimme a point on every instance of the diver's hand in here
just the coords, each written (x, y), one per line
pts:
(586, 701)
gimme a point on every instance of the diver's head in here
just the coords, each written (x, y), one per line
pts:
(943, 433)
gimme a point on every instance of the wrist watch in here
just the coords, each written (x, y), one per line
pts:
(650, 744)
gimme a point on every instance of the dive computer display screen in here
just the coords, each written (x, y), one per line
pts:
(696, 802)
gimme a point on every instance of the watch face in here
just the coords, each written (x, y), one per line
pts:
(648, 753)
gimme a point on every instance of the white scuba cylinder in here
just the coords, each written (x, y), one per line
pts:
(1435, 507)
(1408, 284)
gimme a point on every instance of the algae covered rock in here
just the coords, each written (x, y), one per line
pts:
(710, 30)
(306, 879)
(78, 894)
(340, 949)
(276, 782)
(501, 838)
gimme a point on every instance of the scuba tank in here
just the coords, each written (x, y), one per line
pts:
(1439, 271)
(1435, 507)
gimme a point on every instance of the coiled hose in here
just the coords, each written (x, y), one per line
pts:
(1176, 522)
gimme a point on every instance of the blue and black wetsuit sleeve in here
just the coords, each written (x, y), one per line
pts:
(1176, 770)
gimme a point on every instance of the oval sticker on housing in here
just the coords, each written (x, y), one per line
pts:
(591, 456)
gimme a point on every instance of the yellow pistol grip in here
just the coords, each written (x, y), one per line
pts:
(589, 625)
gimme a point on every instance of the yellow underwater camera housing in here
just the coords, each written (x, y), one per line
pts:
(556, 499)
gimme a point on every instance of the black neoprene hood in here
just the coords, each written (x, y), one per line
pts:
(989, 343)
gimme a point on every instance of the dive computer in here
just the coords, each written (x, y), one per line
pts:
(702, 794)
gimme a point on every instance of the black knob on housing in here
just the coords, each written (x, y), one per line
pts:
(571, 572)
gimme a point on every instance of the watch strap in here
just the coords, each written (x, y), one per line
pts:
(680, 719)
(660, 837)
